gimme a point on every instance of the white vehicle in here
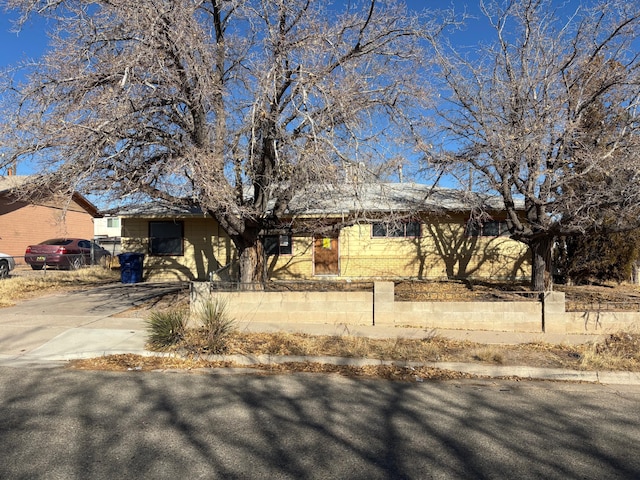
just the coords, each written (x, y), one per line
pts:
(7, 263)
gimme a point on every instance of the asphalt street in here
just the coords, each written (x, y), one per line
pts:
(63, 424)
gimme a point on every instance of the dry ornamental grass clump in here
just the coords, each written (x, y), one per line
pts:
(166, 327)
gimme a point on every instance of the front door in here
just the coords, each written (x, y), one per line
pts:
(325, 256)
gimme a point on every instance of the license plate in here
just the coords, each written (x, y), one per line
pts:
(40, 259)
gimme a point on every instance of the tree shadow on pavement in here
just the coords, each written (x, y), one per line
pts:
(71, 424)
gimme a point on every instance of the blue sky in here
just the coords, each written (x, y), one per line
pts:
(32, 40)
(29, 43)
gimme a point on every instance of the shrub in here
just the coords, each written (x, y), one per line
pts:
(489, 354)
(217, 326)
(617, 351)
(166, 327)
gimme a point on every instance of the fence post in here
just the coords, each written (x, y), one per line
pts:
(383, 303)
(553, 312)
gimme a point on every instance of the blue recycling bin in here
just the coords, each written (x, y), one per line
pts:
(131, 267)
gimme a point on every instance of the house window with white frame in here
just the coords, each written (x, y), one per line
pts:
(395, 230)
(277, 244)
(113, 222)
(490, 228)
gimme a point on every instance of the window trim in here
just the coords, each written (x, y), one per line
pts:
(477, 229)
(151, 238)
(112, 221)
(395, 228)
(288, 246)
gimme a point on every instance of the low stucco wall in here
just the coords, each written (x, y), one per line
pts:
(601, 322)
(498, 316)
(355, 308)
(558, 320)
(380, 308)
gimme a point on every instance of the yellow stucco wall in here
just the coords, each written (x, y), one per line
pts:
(442, 251)
(298, 265)
(206, 249)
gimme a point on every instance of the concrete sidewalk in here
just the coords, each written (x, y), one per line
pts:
(50, 331)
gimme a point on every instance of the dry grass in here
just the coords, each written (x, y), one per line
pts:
(431, 349)
(489, 355)
(137, 363)
(37, 283)
(617, 352)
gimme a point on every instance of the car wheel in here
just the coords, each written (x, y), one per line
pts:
(4, 269)
(76, 263)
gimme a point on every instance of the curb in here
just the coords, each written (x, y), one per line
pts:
(524, 372)
(494, 371)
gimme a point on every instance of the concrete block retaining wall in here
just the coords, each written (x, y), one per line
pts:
(354, 308)
(380, 308)
(498, 316)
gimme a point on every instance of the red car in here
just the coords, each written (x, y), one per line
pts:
(70, 253)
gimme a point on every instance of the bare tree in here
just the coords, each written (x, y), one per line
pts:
(521, 108)
(234, 106)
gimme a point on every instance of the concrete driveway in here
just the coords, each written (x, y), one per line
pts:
(56, 328)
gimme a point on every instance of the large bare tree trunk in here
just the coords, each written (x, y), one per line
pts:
(252, 271)
(540, 263)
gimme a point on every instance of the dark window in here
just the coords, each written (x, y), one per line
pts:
(412, 229)
(277, 244)
(492, 228)
(166, 238)
(57, 241)
(379, 230)
(409, 229)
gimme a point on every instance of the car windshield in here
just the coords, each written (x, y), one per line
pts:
(57, 241)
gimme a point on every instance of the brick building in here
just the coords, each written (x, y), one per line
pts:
(23, 222)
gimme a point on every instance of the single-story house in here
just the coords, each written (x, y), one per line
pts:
(401, 230)
(24, 222)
